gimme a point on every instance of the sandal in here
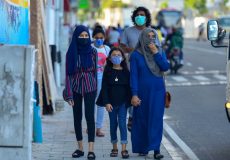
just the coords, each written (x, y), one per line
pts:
(158, 156)
(129, 125)
(114, 153)
(77, 154)
(100, 134)
(125, 154)
(91, 156)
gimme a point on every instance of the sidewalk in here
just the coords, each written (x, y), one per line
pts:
(59, 140)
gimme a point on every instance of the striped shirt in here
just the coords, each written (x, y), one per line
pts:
(83, 81)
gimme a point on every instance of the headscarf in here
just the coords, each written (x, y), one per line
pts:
(142, 47)
(78, 56)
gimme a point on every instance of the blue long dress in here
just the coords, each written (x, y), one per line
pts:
(147, 124)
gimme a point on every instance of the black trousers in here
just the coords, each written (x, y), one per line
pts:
(89, 100)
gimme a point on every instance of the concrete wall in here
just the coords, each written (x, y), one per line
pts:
(16, 92)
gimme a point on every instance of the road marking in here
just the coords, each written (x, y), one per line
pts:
(189, 64)
(179, 84)
(200, 68)
(186, 84)
(208, 51)
(171, 149)
(166, 117)
(220, 77)
(200, 78)
(220, 53)
(179, 79)
(188, 151)
(185, 72)
(203, 72)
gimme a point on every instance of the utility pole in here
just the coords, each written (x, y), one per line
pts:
(35, 39)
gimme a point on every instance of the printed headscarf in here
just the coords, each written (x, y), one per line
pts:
(142, 47)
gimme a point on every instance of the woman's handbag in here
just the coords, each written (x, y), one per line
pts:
(167, 99)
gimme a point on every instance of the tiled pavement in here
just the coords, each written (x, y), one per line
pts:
(59, 141)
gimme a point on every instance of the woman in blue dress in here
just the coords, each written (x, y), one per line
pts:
(147, 64)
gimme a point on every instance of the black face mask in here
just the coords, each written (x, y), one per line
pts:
(82, 41)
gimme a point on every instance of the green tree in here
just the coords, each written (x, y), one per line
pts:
(83, 9)
(189, 4)
(164, 4)
(111, 4)
(84, 4)
(223, 6)
(199, 5)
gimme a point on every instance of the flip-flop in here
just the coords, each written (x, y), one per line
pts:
(125, 154)
(91, 156)
(158, 156)
(77, 154)
(100, 134)
(114, 153)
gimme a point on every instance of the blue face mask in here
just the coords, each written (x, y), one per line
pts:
(140, 20)
(99, 42)
(116, 59)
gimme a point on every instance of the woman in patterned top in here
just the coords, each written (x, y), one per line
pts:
(81, 83)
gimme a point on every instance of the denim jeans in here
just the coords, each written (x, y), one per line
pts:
(99, 109)
(118, 117)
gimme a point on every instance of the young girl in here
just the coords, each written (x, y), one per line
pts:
(115, 96)
(102, 52)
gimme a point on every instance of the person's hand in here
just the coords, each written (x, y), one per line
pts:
(135, 101)
(129, 50)
(153, 48)
(109, 107)
(71, 103)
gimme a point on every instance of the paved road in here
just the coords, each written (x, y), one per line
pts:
(197, 114)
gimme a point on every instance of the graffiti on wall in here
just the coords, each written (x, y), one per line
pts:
(14, 17)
